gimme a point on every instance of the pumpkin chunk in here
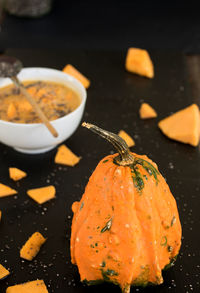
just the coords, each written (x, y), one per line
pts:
(138, 61)
(146, 111)
(183, 125)
(42, 194)
(37, 286)
(3, 272)
(6, 190)
(130, 142)
(32, 246)
(24, 105)
(66, 157)
(12, 111)
(16, 174)
(71, 70)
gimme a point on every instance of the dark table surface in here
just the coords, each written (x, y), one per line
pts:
(108, 25)
(113, 102)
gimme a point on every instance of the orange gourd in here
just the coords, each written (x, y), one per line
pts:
(126, 227)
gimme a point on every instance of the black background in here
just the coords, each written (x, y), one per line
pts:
(113, 103)
(108, 24)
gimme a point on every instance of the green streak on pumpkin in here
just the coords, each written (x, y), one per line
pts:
(173, 221)
(106, 274)
(163, 241)
(169, 248)
(103, 264)
(82, 205)
(142, 279)
(105, 161)
(148, 167)
(109, 276)
(107, 226)
(171, 263)
(138, 179)
(109, 272)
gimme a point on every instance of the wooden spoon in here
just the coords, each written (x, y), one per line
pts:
(10, 67)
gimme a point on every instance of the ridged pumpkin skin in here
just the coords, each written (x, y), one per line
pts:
(126, 227)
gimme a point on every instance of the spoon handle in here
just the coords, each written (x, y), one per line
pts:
(35, 106)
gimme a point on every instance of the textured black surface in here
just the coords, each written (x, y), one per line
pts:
(107, 25)
(113, 102)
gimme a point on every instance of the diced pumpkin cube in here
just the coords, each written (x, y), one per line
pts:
(32, 246)
(12, 111)
(130, 142)
(3, 272)
(16, 174)
(37, 286)
(71, 70)
(138, 61)
(32, 90)
(183, 125)
(42, 194)
(24, 105)
(66, 157)
(6, 190)
(146, 111)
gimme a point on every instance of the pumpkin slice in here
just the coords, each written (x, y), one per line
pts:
(32, 246)
(16, 174)
(71, 70)
(146, 111)
(12, 111)
(37, 286)
(42, 194)
(130, 142)
(183, 125)
(6, 190)
(24, 106)
(66, 157)
(138, 61)
(3, 272)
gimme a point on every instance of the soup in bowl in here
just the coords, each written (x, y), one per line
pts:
(61, 97)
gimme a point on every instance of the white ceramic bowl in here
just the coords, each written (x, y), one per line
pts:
(35, 138)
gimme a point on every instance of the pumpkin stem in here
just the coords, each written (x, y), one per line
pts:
(125, 158)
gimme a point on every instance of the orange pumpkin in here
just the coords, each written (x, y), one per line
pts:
(126, 228)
